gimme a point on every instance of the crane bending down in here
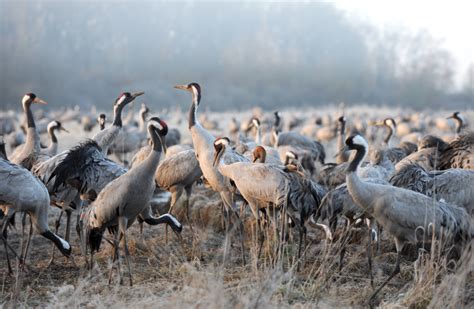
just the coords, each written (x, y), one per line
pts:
(260, 184)
(20, 191)
(126, 197)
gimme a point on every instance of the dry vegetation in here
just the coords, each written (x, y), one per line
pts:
(190, 272)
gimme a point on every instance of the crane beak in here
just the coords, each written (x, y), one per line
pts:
(137, 94)
(182, 87)
(63, 129)
(450, 117)
(39, 101)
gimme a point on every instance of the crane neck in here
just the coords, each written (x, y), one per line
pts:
(29, 115)
(342, 155)
(52, 135)
(459, 124)
(192, 114)
(389, 136)
(3, 153)
(361, 152)
(118, 115)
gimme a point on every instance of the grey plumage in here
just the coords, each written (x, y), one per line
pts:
(295, 139)
(459, 153)
(106, 137)
(408, 216)
(126, 197)
(30, 152)
(177, 172)
(450, 185)
(20, 191)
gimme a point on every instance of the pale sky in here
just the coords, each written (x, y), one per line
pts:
(452, 21)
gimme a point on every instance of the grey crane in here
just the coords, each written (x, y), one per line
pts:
(126, 197)
(342, 156)
(459, 153)
(428, 154)
(404, 213)
(176, 173)
(260, 184)
(31, 149)
(394, 154)
(83, 170)
(460, 121)
(304, 198)
(106, 137)
(131, 138)
(297, 140)
(20, 191)
(52, 149)
(450, 185)
(203, 143)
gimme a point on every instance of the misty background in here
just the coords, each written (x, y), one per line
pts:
(242, 53)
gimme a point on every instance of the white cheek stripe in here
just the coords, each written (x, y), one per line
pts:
(122, 98)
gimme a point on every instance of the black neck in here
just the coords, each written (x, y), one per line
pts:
(343, 127)
(29, 115)
(59, 244)
(3, 153)
(155, 139)
(360, 154)
(52, 135)
(118, 115)
(389, 135)
(164, 219)
(102, 125)
(458, 125)
(192, 115)
(277, 121)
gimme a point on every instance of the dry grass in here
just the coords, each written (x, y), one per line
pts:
(191, 273)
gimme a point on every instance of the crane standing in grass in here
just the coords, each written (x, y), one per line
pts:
(123, 199)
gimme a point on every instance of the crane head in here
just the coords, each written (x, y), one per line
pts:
(259, 153)
(194, 88)
(254, 122)
(356, 142)
(390, 122)
(219, 146)
(127, 97)
(32, 98)
(159, 125)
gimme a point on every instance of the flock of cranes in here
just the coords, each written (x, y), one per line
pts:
(419, 189)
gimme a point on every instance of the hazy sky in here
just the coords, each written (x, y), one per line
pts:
(452, 21)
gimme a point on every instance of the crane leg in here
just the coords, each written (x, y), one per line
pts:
(394, 273)
(116, 257)
(242, 236)
(369, 255)
(24, 249)
(3, 235)
(188, 191)
(53, 247)
(175, 195)
(123, 232)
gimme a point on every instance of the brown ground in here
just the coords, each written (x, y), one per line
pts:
(190, 272)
